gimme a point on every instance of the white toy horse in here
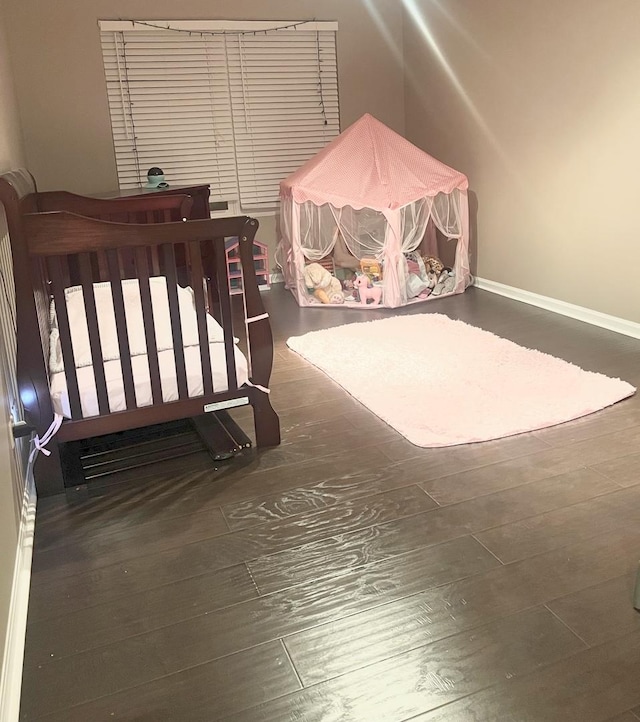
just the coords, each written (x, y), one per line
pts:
(367, 293)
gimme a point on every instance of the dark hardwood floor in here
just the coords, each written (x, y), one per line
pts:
(348, 576)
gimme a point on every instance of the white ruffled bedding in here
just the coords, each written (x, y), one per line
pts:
(140, 366)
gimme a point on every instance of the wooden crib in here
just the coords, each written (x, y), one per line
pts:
(64, 256)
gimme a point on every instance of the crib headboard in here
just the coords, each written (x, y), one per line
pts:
(137, 209)
(141, 209)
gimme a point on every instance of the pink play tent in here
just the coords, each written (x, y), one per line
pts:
(370, 194)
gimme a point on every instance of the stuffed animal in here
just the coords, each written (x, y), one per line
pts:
(446, 283)
(433, 264)
(367, 292)
(325, 287)
(348, 289)
(432, 279)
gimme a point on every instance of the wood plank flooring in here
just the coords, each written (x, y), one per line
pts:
(349, 576)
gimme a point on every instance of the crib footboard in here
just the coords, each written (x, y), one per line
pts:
(65, 249)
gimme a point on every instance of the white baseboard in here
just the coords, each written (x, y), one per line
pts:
(595, 318)
(11, 682)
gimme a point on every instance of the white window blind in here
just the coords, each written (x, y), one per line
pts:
(236, 105)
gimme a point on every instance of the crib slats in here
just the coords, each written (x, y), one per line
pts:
(121, 329)
(201, 315)
(155, 262)
(199, 255)
(86, 278)
(169, 261)
(58, 272)
(100, 260)
(72, 273)
(225, 314)
(149, 326)
(212, 283)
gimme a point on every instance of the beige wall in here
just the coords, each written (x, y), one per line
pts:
(538, 103)
(11, 149)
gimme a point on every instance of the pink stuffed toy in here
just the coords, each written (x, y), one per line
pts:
(367, 292)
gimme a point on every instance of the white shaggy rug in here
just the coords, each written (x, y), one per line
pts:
(441, 382)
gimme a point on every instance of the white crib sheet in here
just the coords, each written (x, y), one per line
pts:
(142, 382)
(139, 362)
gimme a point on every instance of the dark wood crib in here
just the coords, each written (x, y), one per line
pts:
(61, 240)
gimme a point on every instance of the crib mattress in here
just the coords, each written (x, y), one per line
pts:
(74, 299)
(142, 380)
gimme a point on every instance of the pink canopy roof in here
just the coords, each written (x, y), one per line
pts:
(369, 165)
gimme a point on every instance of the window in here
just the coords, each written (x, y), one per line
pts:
(237, 105)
